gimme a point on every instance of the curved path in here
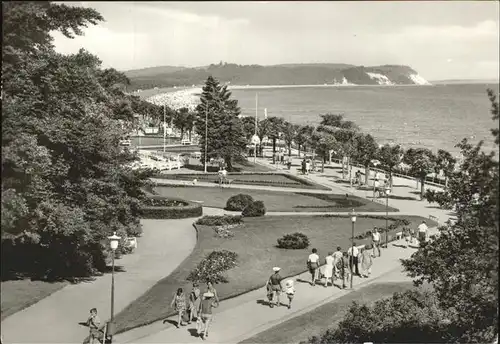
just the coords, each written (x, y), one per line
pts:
(162, 247)
(244, 316)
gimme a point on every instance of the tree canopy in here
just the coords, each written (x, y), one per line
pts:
(226, 137)
(66, 184)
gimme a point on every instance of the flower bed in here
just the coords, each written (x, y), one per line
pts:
(159, 207)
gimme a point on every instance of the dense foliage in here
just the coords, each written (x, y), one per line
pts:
(409, 317)
(213, 267)
(294, 241)
(220, 220)
(223, 132)
(65, 181)
(460, 264)
(254, 209)
(238, 202)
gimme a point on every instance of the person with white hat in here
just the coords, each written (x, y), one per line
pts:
(275, 282)
(205, 313)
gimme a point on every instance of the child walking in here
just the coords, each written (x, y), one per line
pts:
(194, 302)
(179, 302)
(290, 292)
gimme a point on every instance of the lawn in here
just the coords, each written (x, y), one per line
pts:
(238, 166)
(20, 294)
(274, 200)
(265, 179)
(315, 322)
(255, 243)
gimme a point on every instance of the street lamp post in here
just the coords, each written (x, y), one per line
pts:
(353, 221)
(206, 137)
(113, 243)
(164, 128)
(387, 192)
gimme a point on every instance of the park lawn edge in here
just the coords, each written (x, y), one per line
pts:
(344, 300)
(33, 300)
(237, 294)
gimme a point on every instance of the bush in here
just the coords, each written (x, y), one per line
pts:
(239, 202)
(254, 209)
(159, 207)
(213, 267)
(294, 241)
(158, 201)
(218, 220)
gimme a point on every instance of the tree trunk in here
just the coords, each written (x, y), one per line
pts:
(367, 174)
(343, 167)
(274, 145)
(422, 188)
(229, 163)
(390, 179)
(323, 164)
(290, 149)
(350, 170)
(298, 149)
(182, 133)
(190, 132)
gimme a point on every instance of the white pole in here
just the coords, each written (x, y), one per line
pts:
(256, 121)
(164, 128)
(206, 136)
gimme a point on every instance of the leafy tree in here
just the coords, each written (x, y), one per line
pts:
(290, 132)
(248, 127)
(365, 152)
(422, 162)
(263, 128)
(390, 156)
(462, 262)
(226, 138)
(274, 126)
(445, 162)
(495, 114)
(66, 184)
(304, 137)
(410, 317)
(323, 143)
(344, 132)
(184, 121)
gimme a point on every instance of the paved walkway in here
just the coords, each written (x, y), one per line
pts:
(244, 316)
(162, 247)
(236, 321)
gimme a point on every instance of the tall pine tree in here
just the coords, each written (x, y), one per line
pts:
(226, 138)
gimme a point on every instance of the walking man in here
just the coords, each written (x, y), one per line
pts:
(205, 312)
(422, 232)
(93, 322)
(275, 282)
(353, 254)
(376, 242)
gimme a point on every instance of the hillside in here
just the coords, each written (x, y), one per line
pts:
(288, 74)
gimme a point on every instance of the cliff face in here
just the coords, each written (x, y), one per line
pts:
(296, 74)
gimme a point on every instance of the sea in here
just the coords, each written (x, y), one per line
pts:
(435, 117)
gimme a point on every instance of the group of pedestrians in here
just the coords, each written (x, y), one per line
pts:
(307, 166)
(197, 305)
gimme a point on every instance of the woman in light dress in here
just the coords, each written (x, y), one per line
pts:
(313, 265)
(366, 260)
(328, 272)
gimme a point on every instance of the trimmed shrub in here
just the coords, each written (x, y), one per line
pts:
(213, 267)
(159, 207)
(254, 209)
(218, 220)
(294, 241)
(238, 202)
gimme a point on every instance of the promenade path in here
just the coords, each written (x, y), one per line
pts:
(162, 247)
(244, 316)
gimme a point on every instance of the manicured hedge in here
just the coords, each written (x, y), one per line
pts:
(220, 220)
(169, 208)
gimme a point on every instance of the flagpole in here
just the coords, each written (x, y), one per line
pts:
(164, 128)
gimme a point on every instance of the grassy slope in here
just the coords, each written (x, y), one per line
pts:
(273, 200)
(254, 242)
(324, 317)
(18, 295)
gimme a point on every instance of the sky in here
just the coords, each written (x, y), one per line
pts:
(440, 40)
